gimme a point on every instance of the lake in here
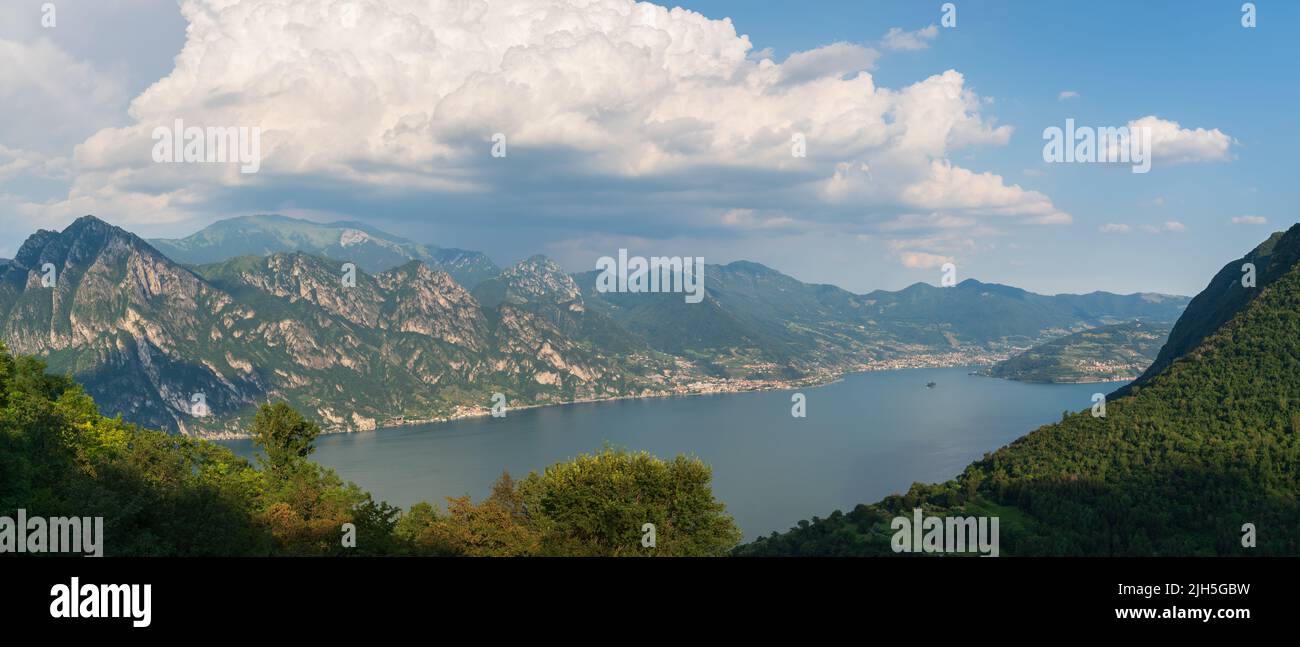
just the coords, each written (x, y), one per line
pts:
(865, 437)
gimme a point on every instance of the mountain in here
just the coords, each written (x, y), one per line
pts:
(121, 316)
(1208, 443)
(1102, 354)
(150, 338)
(545, 315)
(754, 321)
(371, 249)
(757, 321)
(469, 268)
(709, 333)
(535, 280)
(975, 312)
(1223, 298)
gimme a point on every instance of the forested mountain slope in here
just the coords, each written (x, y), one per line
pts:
(1224, 297)
(1177, 467)
(1101, 354)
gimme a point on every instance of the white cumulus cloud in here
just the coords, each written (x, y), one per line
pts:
(834, 60)
(666, 109)
(1171, 143)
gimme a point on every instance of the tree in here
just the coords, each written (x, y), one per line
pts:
(599, 504)
(483, 530)
(505, 493)
(283, 435)
(494, 527)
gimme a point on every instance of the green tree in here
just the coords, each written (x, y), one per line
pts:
(163, 494)
(598, 504)
(284, 436)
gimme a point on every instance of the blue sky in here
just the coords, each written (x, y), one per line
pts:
(655, 131)
(1187, 61)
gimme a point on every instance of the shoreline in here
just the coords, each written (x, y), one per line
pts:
(721, 388)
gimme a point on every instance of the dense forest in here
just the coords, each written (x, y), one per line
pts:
(1176, 467)
(162, 494)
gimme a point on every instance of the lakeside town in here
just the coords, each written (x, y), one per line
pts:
(972, 357)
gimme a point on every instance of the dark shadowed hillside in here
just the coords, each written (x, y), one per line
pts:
(1223, 298)
(1206, 444)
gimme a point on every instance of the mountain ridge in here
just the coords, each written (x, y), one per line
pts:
(147, 336)
(411, 343)
(347, 241)
(1223, 298)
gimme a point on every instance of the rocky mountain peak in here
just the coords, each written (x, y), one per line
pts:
(80, 243)
(540, 279)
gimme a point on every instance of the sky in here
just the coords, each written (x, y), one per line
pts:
(863, 144)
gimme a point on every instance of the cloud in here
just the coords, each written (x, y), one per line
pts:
(929, 250)
(915, 222)
(897, 39)
(1067, 94)
(1173, 144)
(1249, 220)
(629, 117)
(752, 219)
(1167, 227)
(17, 163)
(922, 260)
(832, 61)
(949, 187)
(52, 100)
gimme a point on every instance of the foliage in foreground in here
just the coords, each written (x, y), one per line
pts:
(161, 494)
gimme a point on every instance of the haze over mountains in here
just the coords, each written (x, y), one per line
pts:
(262, 311)
(371, 249)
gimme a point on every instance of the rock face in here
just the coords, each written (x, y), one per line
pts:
(135, 328)
(197, 348)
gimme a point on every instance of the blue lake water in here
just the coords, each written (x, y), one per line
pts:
(865, 437)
